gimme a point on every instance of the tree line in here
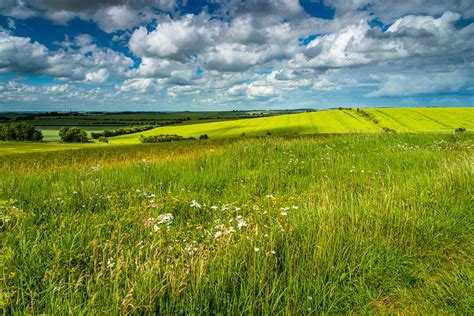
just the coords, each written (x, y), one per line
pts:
(20, 132)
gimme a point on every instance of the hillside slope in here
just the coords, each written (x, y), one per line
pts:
(323, 122)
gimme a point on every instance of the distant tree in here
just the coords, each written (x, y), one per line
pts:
(460, 130)
(73, 135)
(204, 136)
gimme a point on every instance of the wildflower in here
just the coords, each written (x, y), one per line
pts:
(110, 263)
(284, 208)
(191, 249)
(166, 218)
(156, 228)
(6, 218)
(284, 213)
(295, 207)
(214, 207)
(219, 227)
(217, 234)
(241, 223)
(95, 168)
(231, 230)
(237, 209)
(269, 196)
(257, 249)
(195, 204)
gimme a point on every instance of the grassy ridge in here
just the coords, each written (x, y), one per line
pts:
(361, 223)
(331, 121)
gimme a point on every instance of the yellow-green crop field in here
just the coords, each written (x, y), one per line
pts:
(430, 120)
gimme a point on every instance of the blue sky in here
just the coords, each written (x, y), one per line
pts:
(156, 55)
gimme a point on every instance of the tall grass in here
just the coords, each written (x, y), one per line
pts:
(361, 223)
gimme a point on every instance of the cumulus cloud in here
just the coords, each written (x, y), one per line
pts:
(174, 39)
(85, 61)
(20, 54)
(250, 50)
(389, 11)
(410, 36)
(140, 85)
(110, 15)
(421, 84)
(98, 76)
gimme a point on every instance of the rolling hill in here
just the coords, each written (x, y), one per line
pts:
(433, 120)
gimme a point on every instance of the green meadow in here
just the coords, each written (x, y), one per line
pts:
(370, 215)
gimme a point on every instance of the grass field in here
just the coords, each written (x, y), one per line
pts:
(331, 121)
(377, 223)
(51, 133)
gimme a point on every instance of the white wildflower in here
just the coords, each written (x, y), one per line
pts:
(191, 249)
(214, 207)
(219, 227)
(241, 223)
(231, 230)
(284, 213)
(269, 196)
(217, 234)
(95, 168)
(295, 207)
(110, 263)
(284, 208)
(166, 218)
(156, 228)
(195, 204)
(257, 249)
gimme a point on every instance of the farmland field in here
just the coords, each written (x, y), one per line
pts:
(364, 223)
(323, 122)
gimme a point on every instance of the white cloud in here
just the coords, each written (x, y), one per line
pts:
(325, 85)
(98, 76)
(420, 84)
(119, 17)
(175, 39)
(21, 55)
(140, 85)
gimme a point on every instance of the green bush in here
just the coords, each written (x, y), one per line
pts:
(103, 139)
(204, 136)
(73, 135)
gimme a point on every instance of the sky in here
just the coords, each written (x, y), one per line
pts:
(157, 55)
